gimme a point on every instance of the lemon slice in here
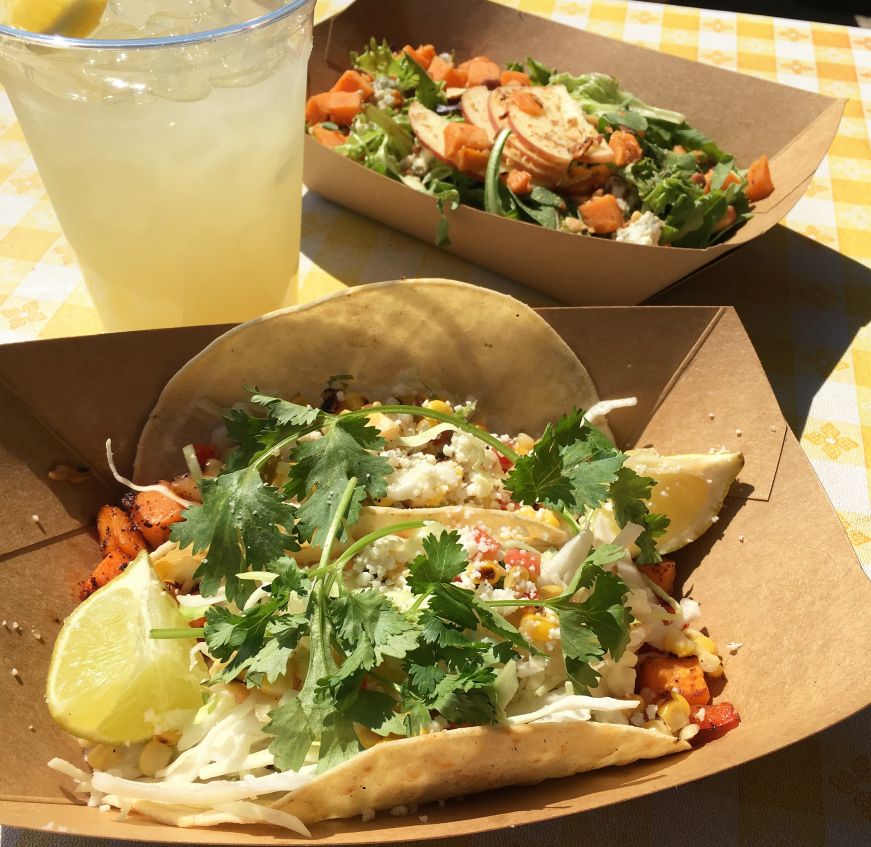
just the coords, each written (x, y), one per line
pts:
(109, 681)
(71, 18)
(690, 490)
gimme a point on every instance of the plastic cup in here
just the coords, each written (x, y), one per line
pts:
(174, 164)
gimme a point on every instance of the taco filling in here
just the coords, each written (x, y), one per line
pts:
(354, 586)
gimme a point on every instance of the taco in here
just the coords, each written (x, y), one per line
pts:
(363, 656)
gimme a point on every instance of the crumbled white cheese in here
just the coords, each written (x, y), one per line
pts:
(419, 480)
(385, 91)
(644, 230)
(734, 646)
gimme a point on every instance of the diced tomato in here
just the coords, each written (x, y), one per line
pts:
(197, 623)
(523, 559)
(718, 719)
(204, 453)
(504, 462)
(488, 547)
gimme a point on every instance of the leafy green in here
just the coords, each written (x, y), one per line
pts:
(322, 468)
(242, 523)
(442, 559)
(427, 92)
(570, 467)
(629, 493)
(261, 639)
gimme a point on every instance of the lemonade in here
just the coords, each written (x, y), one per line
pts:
(175, 164)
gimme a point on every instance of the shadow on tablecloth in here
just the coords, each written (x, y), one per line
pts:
(814, 793)
(802, 303)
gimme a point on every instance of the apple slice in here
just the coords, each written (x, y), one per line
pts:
(474, 105)
(429, 129)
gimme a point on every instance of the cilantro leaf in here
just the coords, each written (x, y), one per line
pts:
(442, 559)
(285, 413)
(597, 625)
(240, 524)
(322, 469)
(293, 733)
(367, 627)
(539, 477)
(570, 467)
(468, 697)
(629, 493)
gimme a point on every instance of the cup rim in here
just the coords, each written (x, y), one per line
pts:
(63, 42)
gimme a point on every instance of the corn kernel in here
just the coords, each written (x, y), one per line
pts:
(710, 663)
(546, 516)
(536, 627)
(674, 713)
(676, 643)
(154, 757)
(523, 444)
(102, 757)
(526, 512)
(702, 642)
(546, 592)
(490, 572)
(515, 575)
(437, 406)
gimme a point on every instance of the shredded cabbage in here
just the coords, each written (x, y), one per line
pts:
(165, 490)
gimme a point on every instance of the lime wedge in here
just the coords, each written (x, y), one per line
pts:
(109, 681)
(71, 18)
(690, 490)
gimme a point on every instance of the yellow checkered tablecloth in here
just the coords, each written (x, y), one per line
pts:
(809, 319)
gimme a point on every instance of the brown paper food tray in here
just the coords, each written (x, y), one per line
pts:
(776, 573)
(745, 115)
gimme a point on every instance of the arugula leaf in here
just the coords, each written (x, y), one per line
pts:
(240, 524)
(322, 468)
(539, 74)
(427, 92)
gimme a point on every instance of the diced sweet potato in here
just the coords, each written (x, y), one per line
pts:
(731, 178)
(352, 80)
(662, 574)
(345, 106)
(625, 147)
(759, 184)
(727, 220)
(108, 569)
(153, 514)
(317, 108)
(457, 78)
(602, 214)
(327, 137)
(514, 78)
(470, 160)
(117, 533)
(439, 68)
(482, 71)
(459, 135)
(663, 674)
(585, 179)
(423, 55)
(520, 182)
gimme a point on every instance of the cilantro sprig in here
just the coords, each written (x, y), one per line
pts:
(370, 664)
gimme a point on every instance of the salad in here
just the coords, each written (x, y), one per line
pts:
(572, 153)
(365, 598)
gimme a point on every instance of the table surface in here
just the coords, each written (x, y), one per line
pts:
(803, 292)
